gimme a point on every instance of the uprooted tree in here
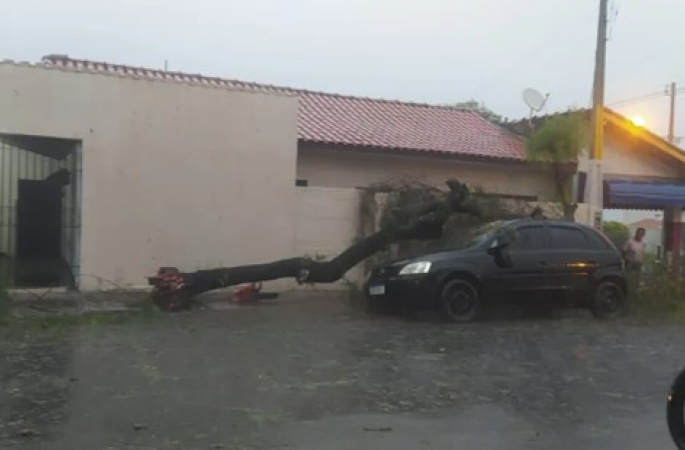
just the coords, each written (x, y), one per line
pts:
(421, 220)
(414, 212)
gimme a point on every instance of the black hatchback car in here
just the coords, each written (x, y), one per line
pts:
(554, 262)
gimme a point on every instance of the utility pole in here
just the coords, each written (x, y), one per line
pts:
(598, 85)
(594, 187)
(671, 117)
(672, 216)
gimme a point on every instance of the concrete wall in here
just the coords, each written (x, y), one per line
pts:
(327, 223)
(173, 174)
(346, 169)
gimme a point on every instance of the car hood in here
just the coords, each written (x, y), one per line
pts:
(434, 257)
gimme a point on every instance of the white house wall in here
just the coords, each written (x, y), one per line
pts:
(620, 160)
(173, 174)
(346, 169)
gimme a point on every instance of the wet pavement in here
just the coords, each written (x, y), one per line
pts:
(314, 374)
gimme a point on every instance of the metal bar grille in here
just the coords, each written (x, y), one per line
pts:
(19, 164)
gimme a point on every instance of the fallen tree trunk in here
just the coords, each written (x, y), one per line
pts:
(174, 290)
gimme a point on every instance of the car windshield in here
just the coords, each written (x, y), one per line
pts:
(483, 233)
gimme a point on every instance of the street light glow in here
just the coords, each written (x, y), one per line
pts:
(638, 121)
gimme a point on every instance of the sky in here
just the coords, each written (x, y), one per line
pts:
(435, 51)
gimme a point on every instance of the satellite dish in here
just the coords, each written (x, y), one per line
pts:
(535, 100)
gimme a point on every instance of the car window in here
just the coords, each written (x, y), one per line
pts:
(599, 241)
(483, 233)
(478, 239)
(528, 238)
(566, 238)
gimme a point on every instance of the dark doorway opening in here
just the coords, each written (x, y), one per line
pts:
(39, 211)
(39, 234)
(39, 220)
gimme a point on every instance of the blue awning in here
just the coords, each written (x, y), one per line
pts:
(645, 194)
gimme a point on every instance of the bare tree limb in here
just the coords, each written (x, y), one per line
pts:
(423, 221)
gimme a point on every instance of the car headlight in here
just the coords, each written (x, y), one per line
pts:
(416, 268)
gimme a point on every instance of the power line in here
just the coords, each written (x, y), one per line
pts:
(615, 8)
(644, 98)
(639, 99)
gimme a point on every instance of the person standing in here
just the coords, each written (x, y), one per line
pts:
(633, 254)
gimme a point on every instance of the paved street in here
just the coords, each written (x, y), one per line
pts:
(309, 373)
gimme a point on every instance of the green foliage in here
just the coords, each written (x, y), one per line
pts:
(480, 108)
(661, 294)
(617, 232)
(558, 142)
(405, 197)
(560, 139)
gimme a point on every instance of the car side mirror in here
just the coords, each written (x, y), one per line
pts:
(498, 249)
(501, 241)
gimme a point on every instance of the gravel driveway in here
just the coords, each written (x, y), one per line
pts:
(307, 372)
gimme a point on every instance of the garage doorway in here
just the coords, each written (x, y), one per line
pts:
(40, 214)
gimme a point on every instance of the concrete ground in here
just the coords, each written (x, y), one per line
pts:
(311, 373)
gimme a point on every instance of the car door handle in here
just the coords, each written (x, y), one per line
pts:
(543, 263)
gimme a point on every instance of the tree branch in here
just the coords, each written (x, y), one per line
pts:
(174, 290)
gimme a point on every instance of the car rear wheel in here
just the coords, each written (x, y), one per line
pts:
(609, 301)
(459, 301)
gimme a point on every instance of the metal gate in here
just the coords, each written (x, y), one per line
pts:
(26, 159)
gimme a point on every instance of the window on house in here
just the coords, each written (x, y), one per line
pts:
(301, 183)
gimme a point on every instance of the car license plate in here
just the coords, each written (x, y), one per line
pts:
(377, 289)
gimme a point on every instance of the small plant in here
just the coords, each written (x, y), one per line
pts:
(148, 311)
(661, 293)
(617, 232)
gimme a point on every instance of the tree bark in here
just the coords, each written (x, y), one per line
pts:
(174, 290)
(568, 208)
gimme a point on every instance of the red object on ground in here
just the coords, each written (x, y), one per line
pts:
(168, 287)
(246, 293)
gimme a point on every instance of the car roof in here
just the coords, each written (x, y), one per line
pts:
(565, 223)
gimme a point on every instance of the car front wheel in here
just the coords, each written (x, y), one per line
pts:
(459, 301)
(609, 301)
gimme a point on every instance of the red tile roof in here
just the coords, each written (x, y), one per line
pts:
(647, 224)
(355, 121)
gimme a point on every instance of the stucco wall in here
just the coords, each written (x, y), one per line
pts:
(327, 223)
(622, 159)
(173, 174)
(345, 169)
